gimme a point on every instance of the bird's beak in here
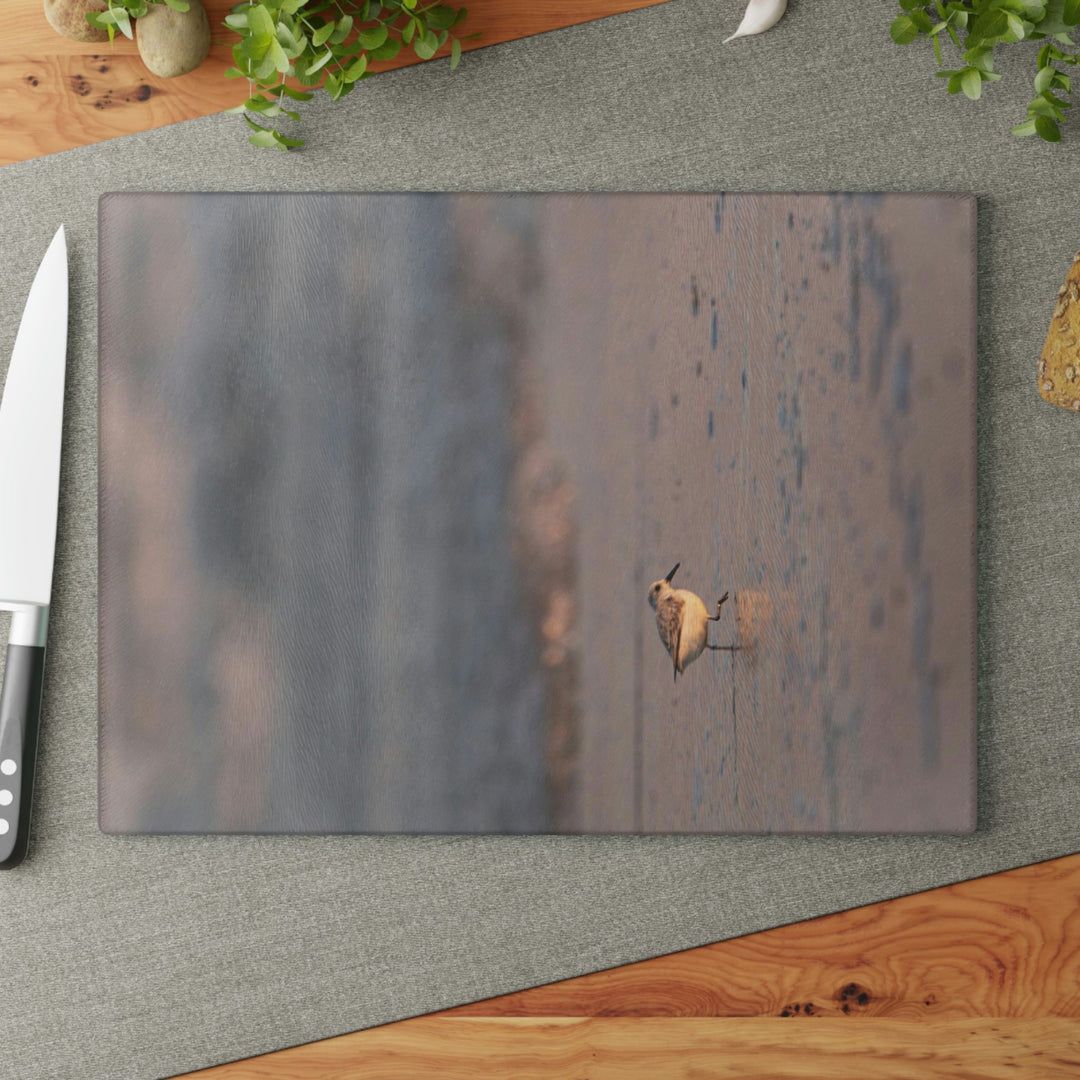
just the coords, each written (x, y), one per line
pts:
(671, 573)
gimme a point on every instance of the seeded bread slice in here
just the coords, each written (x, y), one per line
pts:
(1059, 366)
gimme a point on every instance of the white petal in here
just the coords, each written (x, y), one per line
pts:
(759, 16)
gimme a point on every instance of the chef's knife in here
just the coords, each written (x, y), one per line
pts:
(31, 412)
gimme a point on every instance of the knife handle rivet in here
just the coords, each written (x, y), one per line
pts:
(8, 766)
(5, 797)
(4, 826)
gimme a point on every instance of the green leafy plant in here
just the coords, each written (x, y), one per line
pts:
(985, 24)
(327, 44)
(119, 14)
(323, 44)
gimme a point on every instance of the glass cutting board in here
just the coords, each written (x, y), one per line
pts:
(386, 480)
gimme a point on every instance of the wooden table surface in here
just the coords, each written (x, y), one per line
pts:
(975, 980)
(56, 93)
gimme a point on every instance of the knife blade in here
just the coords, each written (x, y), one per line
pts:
(31, 417)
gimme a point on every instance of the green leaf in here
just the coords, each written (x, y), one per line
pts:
(303, 77)
(907, 5)
(903, 31)
(1026, 128)
(1047, 129)
(373, 38)
(265, 138)
(455, 54)
(1054, 21)
(1041, 107)
(266, 67)
(354, 72)
(336, 87)
(407, 33)
(441, 17)
(922, 21)
(992, 23)
(296, 95)
(178, 5)
(254, 47)
(320, 63)
(1043, 79)
(318, 39)
(971, 83)
(278, 57)
(344, 28)
(233, 73)
(260, 21)
(278, 110)
(1070, 14)
(387, 50)
(1014, 28)
(423, 48)
(955, 83)
(287, 39)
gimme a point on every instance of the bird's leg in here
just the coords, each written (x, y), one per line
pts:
(719, 605)
(716, 618)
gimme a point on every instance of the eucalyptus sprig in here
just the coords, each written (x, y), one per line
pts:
(986, 24)
(119, 13)
(327, 44)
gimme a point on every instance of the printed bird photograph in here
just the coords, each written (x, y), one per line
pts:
(411, 583)
(683, 622)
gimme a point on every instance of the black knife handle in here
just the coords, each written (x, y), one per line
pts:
(20, 707)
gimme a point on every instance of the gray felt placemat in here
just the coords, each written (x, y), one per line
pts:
(142, 957)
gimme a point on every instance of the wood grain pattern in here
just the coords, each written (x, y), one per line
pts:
(975, 980)
(459, 1048)
(56, 93)
(1001, 946)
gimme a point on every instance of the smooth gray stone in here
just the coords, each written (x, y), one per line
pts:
(148, 956)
